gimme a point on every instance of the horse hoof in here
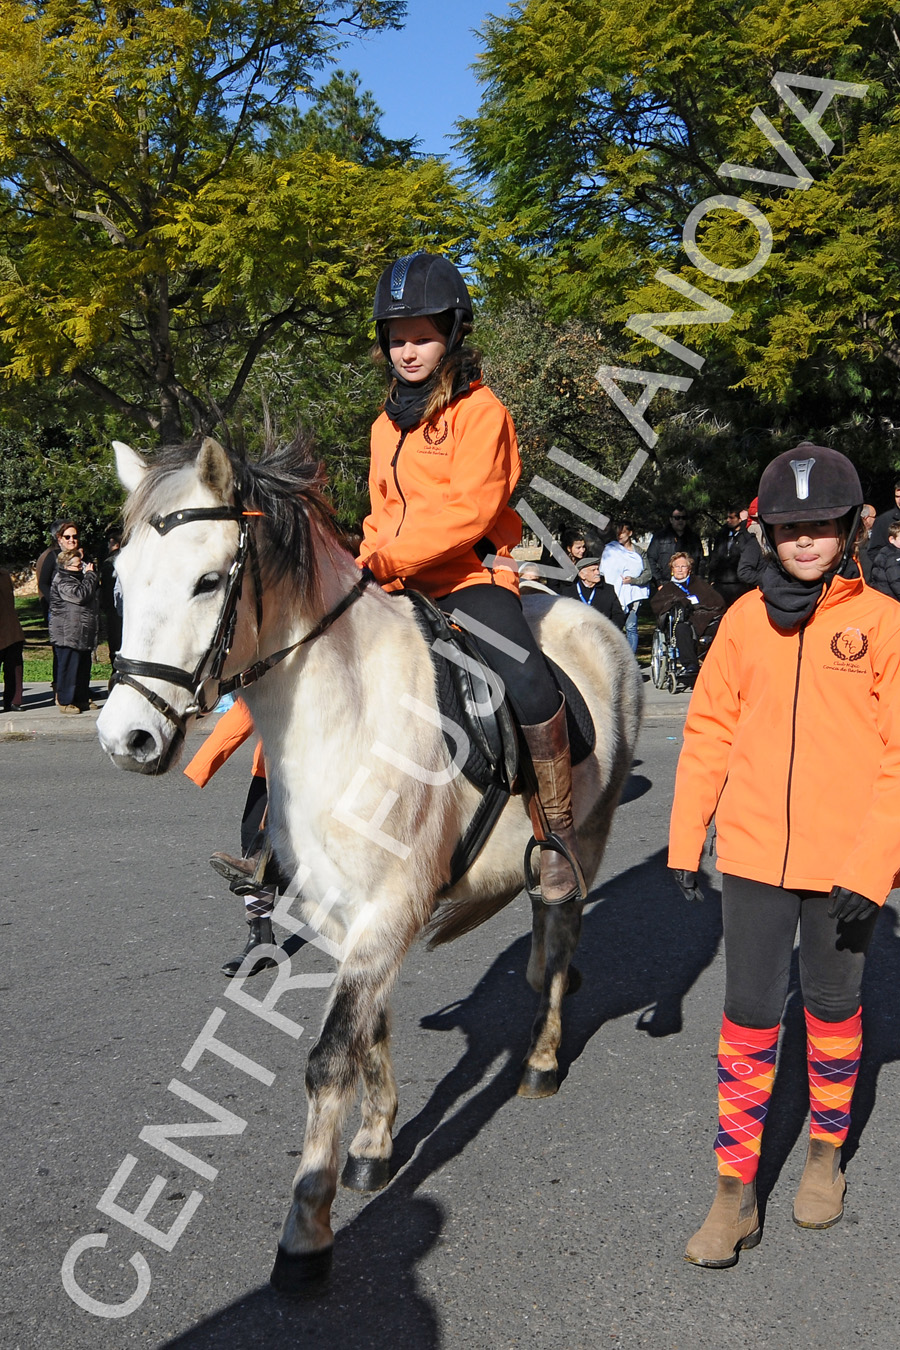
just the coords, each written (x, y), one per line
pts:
(295, 1275)
(574, 981)
(365, 1174)
(539, 1083)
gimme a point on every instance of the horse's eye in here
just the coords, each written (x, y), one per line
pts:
(208, 583)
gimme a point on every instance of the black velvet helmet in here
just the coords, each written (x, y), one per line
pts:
(812, 482)
(421, 284)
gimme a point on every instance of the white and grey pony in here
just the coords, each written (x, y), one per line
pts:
(231, 567)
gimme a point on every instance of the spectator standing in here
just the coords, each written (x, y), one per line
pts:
(879, 534)
(750, 563)
(530, 580)
(725, 556)
(886, 564)
(66, 540)
(74, 629)
(700, 605)
(864, 554)
(46, 566)
(110, 601)
(574, 543)
(677, 537)
(591, 589)
(12, 646)
(625, 567)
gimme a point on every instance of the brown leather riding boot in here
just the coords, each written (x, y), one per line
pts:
(561, 875)
(820, 1196)
(731, 1224)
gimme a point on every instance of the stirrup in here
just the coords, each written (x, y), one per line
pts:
(533, 882)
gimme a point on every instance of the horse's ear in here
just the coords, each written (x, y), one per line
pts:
(214, 468)
(129, 465)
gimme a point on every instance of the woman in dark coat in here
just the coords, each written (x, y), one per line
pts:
(74, 628)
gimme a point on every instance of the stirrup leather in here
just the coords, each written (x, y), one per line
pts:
(533, 881)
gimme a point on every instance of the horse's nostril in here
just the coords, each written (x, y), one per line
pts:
(140, 743)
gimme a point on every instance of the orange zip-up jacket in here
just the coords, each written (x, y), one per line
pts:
(440, 490)
(231, 730)
(792, 740)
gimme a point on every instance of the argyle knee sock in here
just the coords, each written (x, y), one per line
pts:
(833, 1050)
(260, 904)
(746, 1075)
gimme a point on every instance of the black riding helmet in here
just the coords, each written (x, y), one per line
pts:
(420, 284)
(811, 482)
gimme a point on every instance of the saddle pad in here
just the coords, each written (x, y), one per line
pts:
(483, 765)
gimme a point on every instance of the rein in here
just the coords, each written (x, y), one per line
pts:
(216, 654)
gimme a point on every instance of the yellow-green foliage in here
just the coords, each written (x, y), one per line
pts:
(154, 241)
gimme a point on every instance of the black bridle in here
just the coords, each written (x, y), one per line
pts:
(206, 677)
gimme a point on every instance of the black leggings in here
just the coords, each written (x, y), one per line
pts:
(252, 833)
(760, 923)
(531, 688)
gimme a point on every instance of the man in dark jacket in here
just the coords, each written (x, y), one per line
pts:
(677, 536)
(883, 522)
(699, 605)
(725, 556)
(591, 589)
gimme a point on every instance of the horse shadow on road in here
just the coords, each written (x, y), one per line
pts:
(641, 951)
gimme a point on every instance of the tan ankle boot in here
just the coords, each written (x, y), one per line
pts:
(561, 877)
(820, 1196)
(732, 1223)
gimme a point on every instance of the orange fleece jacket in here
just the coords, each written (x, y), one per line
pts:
(792, 740)
(229, 733)
(439, 491)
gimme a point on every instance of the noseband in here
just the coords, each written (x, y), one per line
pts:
(206, 677)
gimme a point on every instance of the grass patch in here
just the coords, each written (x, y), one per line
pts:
(38, 655)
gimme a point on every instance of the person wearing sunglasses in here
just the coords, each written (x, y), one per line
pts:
(66, 540)
(676, 537)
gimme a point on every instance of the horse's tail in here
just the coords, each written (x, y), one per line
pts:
(453, 918)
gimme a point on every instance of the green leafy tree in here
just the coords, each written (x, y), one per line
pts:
(154, 242)
(604, 123)
(344, 120)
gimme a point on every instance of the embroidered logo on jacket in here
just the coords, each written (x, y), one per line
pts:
(435, 435)
(850, 645)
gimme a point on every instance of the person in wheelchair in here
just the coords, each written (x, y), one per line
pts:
(694, 605)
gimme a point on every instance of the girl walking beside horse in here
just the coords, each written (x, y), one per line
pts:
(793, 740)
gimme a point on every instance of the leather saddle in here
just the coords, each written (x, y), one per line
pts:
(491, 751)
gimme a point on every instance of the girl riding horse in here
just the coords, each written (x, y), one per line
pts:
(444, 465)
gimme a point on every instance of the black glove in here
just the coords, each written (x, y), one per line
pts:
(848, 906)
(687, 884)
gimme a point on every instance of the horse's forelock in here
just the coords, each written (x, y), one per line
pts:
(286, 485)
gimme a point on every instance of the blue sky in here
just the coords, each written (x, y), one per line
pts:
(421, 75)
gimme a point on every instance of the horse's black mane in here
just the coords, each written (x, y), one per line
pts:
(286, 485)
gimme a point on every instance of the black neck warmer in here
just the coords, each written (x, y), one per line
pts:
(789, 601)
(406, 402)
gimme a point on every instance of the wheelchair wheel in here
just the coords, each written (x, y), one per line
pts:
(673, 681)
(659, 660)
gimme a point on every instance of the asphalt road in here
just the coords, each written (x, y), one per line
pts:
(558, 1223)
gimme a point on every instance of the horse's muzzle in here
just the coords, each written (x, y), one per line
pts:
(138, 745)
